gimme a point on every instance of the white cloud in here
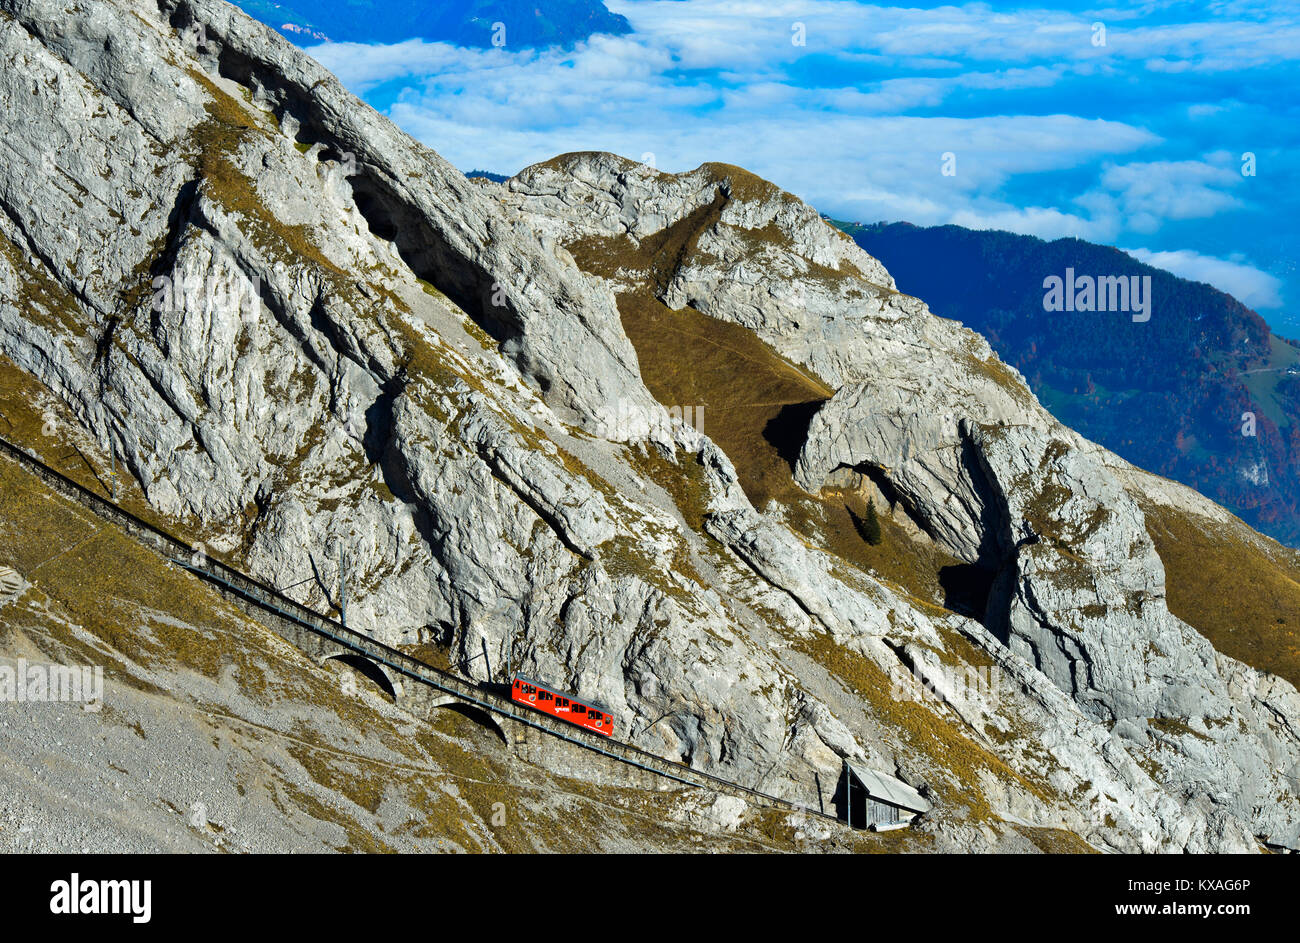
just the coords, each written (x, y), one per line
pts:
(705, 31)
(1043, 222)
(502, 109)
(1251, 286)
(720, 80)
(752, 40)
(1142, 196)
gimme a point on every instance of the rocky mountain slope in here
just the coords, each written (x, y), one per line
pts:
(213, 734)
(305, 338)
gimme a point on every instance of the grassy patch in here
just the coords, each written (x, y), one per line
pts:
(1176, 727)
(1262, 382)
(1241, 596)
(688, 359)
(755, 403)
(683, 481)
(40, 298)
(217, 143)
(998, 373)
(833, 522)
(1056, 841)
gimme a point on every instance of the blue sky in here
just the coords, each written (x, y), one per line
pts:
(1136, 143)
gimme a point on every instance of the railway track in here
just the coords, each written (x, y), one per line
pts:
(267, 600)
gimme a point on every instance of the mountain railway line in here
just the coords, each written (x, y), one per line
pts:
(289, 614)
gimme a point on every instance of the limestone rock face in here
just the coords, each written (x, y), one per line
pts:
(926, 409)
(314, 345)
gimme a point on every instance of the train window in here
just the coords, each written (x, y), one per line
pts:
(579, 709)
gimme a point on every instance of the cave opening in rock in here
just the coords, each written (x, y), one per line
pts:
(966, 588)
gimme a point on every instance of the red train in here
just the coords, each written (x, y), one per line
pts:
(584, 713)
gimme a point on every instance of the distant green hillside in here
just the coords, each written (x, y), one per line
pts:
(1169, 394)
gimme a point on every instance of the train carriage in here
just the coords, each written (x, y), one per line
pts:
(583, 712)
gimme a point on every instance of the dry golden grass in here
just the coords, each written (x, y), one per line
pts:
(42, 300)
(690, 359)
(756, 404)
(1243, 598)
(1056, 841)
(102, 580)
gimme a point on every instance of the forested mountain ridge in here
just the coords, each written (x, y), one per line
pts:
(1202, 392)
